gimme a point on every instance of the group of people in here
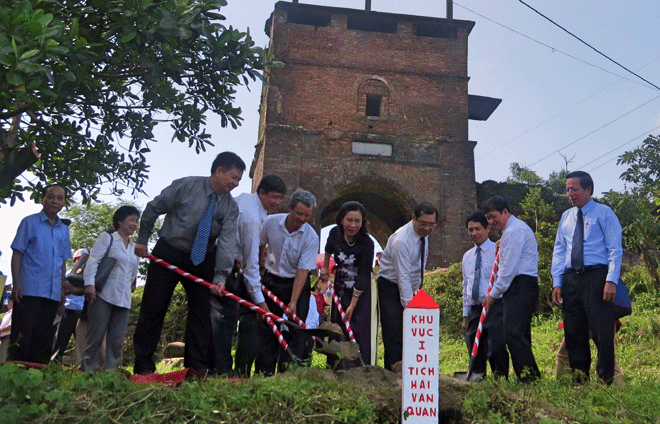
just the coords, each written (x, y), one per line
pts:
(586, 264)
(40, 250)
(235, 244)
(42, 296)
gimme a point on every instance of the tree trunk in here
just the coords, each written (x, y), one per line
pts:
(13, 163)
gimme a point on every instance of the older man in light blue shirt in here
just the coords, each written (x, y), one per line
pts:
(586, 263)
(40, 249)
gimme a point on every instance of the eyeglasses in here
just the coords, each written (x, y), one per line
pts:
(426, 224)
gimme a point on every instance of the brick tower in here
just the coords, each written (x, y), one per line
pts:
(372, 107)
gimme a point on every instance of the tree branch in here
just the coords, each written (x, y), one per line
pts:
(13, 162)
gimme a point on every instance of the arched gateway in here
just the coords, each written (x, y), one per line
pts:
(372, 107)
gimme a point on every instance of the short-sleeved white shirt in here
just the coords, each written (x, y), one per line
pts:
(288, 252)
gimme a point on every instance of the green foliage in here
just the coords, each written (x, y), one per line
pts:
(364, 395)
(445, 286)
(522, 174)
(541, 216)
(556, 182)
(644, 168)
(641, 228)
(637, 280)
(174, 325)
(78, 77)
(28, 393)
(89, 221)
(306, 395)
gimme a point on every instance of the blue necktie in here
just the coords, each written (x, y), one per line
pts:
(477, 276)
(200, 245)
(577, 253)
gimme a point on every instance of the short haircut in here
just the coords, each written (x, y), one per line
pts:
(585, 180)
(304, 197)
(271, 183)
(425, 208)
(122, 213)
(479, 217)
(352, 207)
(227, 161)
(45, 189)
(496, 203)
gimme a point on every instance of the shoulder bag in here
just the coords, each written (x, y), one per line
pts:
(104, 269)
(75, 276)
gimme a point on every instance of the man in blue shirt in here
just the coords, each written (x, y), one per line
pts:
(40, 249)
(586, 263)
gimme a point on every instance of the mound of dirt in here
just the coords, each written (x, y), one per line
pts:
(348, 351)
(386, 386)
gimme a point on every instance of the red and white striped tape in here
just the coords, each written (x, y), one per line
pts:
(335, 298)
(270, 317)
(285, 308)
(477, 337)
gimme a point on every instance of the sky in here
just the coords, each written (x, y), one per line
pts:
(561, 100)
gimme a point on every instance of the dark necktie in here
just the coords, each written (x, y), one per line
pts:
(477, 276)
(200, 245)
(577, 254)
(422, 248)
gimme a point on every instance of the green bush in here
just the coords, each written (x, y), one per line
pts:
(174, 326)
(638, 280)
(445, 286)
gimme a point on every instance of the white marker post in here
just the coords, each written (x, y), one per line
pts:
(421, 344)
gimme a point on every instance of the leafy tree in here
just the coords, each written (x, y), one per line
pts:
(77, 77)
(522, 174)
(641, 229)
(544, 223)
(556, 182)
(88, 222)
(644, 168)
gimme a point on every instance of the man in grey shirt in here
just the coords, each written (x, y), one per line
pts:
(199, 211)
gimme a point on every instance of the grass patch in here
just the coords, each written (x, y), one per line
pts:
(58, 394)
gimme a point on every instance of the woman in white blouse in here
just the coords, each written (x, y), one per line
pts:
(109, 308)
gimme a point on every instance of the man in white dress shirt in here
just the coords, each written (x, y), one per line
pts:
(252, 210)
(516, 284)
(400, 276)
(290, 246)
(477, 265)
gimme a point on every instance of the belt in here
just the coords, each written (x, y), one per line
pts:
(585, 269)
(480, 305)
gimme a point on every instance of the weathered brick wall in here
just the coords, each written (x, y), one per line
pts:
(312, 113)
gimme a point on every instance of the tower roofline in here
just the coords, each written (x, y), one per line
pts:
(371, 17)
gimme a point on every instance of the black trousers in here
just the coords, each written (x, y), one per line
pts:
(360, 324)
(271, 354)
(67, 328)
(224, 314)
(584, 309)
(520, 301)
(32, 330)
(156, 299)
(247, 340)
(391, 321)
(492, 332)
